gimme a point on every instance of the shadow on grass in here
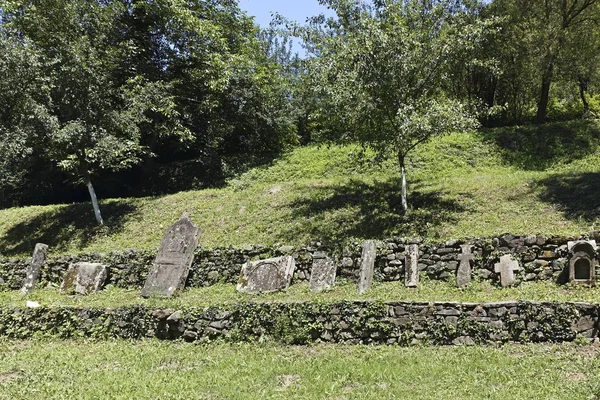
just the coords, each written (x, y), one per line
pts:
(537, 147)
(67, 226)
(373, 211)
(577, 195)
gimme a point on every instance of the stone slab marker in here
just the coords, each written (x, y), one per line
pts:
(83, 278)
(506, 268)
(367, 264)
(174, 259)
(463, 275)
(411, 268)
(322, 275)
(268, 275)
(33, 270)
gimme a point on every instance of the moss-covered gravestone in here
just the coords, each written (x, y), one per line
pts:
(322, 275)
(411, 266)
(175, 255)
(33, 270)
(268, 275)
(83, 278)
(367, 264)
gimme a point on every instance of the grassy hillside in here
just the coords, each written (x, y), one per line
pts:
(521, 180)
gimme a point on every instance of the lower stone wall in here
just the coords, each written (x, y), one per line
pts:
(403, 323)
(541, 258)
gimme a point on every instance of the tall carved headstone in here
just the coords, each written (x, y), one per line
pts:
(33, 270)
(322, 275)
(83, 278)
(463, 274)
(175, 255)
(367, 264)
(411, 272)
(268, 275)
(506, 268)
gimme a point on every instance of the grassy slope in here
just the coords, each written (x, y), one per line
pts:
(519, 180)
(477, 292)
(152, 369)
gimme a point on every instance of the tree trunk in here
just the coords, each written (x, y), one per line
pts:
(404, 206)
(583, 84)
(88, 183)
(545, 90)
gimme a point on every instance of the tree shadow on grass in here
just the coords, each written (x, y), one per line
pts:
(373, 211)
(538, 147)
(577, 195)
(65, 227)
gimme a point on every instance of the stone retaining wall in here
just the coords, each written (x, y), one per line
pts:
(403, 323)
(542, 258)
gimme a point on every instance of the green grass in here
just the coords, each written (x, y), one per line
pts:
(520, 180)
(392, 291)
(152, 369)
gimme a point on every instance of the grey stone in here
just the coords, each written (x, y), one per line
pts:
(176, 316)
(33, 270)
(190, 335)
(286, 249)
(585, 323)
(411, 273)
(367, 263)
(83, 278)
(463, 275)
(322, 275)
(484, 273)
(463, 340)
(175, 255)
(496, 324)
(268, 275)
(506, 268)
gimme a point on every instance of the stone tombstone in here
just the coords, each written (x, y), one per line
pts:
(411, 268)
(582, 261)
(463, 274)
(83, 278)
(174, 259)
(322, 275)
(268, 275)
(33, 270)
(367, 264)
(506, 268)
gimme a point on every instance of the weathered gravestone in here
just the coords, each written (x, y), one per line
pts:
(174, 259)
(83, 278)
(506, 268)
(268, 275)
(463, 274)
(33, 270)
(367, 263)
(322, 275)
(411, 267)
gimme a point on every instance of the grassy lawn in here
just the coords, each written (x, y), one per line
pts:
(520, 180)
(391, 291)
(166, 370)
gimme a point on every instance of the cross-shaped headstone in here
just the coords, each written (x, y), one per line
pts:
(506, 268)
(463, 275)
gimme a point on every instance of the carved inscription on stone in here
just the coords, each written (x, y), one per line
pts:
(175, 255)
(268, 275)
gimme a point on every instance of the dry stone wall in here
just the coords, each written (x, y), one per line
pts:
(401, 323)
(540, 257)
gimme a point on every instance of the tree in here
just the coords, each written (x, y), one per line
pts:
(96, 123)
(380, 71)
(24, 114)
(548, 28)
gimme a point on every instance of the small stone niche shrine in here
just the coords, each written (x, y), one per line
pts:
(582, 264)
(174, 259)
